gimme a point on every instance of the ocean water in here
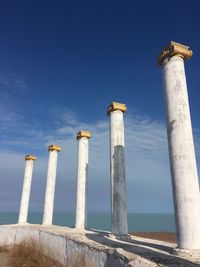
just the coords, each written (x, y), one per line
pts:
(137, 222)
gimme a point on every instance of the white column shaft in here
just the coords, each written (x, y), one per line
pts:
(182, 155)
(82, 173)
(23, 213)
(50, 188)
(117, 170)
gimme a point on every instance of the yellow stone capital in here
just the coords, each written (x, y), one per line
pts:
(116, 106)
(54, 147)
(30, 157)
(175, 49)
(81, 134)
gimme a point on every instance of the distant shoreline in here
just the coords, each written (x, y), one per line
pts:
(162, 236)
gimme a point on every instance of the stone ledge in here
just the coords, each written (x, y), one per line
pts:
(98, 248)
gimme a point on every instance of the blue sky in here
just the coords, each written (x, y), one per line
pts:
(62, 63)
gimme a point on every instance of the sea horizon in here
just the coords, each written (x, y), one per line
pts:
(137, 222)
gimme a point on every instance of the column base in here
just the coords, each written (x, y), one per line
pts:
(186, 252)
(120, 237)
(80, 230)
(47, 224)
(23, 223)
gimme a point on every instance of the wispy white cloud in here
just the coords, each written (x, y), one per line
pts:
(11, 117)
(11, 83)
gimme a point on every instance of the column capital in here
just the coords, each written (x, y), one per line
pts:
(54, 147)
(116, 106)
(30, 157)
(175, 49)
(81, 134)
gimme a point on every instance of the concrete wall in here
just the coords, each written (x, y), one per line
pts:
(64, 248)
(94, 248)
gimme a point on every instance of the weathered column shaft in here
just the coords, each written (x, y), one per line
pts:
(117, 170)
(181, 150)
(82, 175)
(23, 213)
(50, 185)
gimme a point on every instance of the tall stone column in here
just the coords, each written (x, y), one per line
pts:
(50, 185)
(23, 213)
(117, 170)
(82, 173)
(184, 175)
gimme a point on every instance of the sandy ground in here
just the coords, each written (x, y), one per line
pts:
(163, 236)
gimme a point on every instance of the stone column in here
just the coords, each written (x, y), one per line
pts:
(23, 213)
(82, 173)
(184, 175)
(117, 170)
(50, 185)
